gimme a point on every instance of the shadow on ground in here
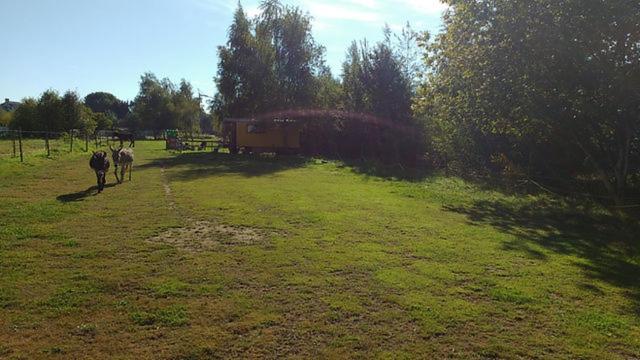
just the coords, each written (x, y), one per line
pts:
(200, 165)
(607, 243)
(388, 171)
(81, 195)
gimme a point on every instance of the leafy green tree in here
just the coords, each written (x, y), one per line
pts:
(389, 90)
(406, 46)
(161, 105)
(187, 109)
(26, 116)
(246, 80)
(5, 117)
(272, 63)
(50, 113)
(328, 91)
(153, 106)
(354, 89)
(103, 102)
(104, 121)
(70, 108)
(87, 120)
(550, 86)
(374, 81)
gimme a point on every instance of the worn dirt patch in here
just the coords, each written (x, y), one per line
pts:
(205, 235)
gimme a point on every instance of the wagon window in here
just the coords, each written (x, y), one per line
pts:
(256, 129)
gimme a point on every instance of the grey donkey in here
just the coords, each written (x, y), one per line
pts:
(100, 164)
(123, 158)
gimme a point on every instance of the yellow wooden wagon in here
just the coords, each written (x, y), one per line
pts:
(280, 136)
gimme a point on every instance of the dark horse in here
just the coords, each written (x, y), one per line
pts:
(125, 136)
(100, 164)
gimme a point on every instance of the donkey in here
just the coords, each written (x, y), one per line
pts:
(125, 136)
(100, 164)
(123, 158)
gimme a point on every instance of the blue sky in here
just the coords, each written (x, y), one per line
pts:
(105, 45)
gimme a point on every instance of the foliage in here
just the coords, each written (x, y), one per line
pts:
(546, 86)
(269, 63)
(5, 117)
(378, 123)
(187, 109)
(103, 102)
(104, 121)
(50, 112)
(26, 115)
(54, 113)
(160, 105)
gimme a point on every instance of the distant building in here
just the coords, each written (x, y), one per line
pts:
(9, 105)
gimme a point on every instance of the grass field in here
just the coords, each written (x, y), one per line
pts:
(207, 256)
(34, 148)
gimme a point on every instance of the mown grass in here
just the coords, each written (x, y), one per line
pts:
(348, 265)
(36, 147)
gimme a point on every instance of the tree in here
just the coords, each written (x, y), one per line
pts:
(103, 102)
(104, 121)
(153, 106)
(26, 116)
(548, 85)
(353, 87)
(406, 47)
(269, 64)
(328, 91)
(160, 105)
(187, 109)
(389, 90)
(50, 114)
(5, 117)
(72, 114)
(374, 82)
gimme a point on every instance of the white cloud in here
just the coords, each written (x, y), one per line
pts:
(427, 7)
(370, 4)
(216, 5)
(333, 11)
(252, 11)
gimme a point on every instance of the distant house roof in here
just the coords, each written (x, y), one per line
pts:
(9, 105)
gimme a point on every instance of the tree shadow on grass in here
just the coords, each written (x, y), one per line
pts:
(607, 242)
(372, 168)
(81, 195)
(202, 165)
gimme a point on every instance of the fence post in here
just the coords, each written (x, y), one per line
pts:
(96, 136)
(71, 143)
(46, 143)
(86, 141)
(13, 141)
(20, 143)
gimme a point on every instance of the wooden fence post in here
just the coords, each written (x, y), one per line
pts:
(46, 143)
(71, 143)
(13, 142)
(20, 143)
(96, 136)
(86, 141)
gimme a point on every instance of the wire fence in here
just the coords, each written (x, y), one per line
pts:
(25, 144)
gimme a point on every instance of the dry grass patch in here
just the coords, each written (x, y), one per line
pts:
(206, 236)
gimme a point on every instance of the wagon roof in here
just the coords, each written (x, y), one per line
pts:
(253, 121)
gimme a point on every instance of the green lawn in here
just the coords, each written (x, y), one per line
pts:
(206, 256)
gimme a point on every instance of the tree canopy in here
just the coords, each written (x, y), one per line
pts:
(103, 102)
(161, 105)
(270, 63)
(551, 86)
